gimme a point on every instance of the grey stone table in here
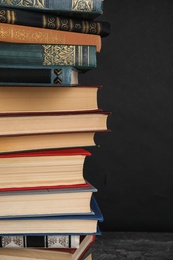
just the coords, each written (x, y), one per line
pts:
(133, 246)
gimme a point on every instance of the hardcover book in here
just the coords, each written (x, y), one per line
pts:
(76, 8)
(54, 22)
(42, 169)
(46, 202)
(46, 141)
(58, 76)
(81, 253)
(47, 55)
(41, 123)
(27, 34)
(47, 241)
(69, 224)
(22, 99)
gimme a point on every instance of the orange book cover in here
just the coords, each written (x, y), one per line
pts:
(26, 34)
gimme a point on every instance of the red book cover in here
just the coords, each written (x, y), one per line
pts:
(50, 152)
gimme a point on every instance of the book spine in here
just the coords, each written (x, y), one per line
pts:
(59, 76)
(89, 8)
(50, 21)
(33, 35)
(61, 241)
(47, 55)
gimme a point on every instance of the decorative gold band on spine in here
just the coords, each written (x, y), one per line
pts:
(11, 18)
(70, 25)
(98, 28)
(87, 27)
(58, 24)
(83, 26)
(8, 16)
(44, 21)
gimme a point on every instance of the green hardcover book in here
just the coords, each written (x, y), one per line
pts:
(47, 55)
(77, 8)
(50, 21)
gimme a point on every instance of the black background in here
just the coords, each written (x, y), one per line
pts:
(132, 167)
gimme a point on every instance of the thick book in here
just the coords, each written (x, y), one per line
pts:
(69, 224)
(22, 99)
(27, 34)
(46, 202)
(54, 22)
(48, 141)
(58, 76)
(55, 122)
(46, 169)
(76, 8)
(19, 55)
(84, 252)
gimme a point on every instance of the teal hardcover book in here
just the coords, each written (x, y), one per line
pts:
(47, 55)
(77, 8)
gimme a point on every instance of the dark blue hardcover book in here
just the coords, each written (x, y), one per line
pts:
(74, 224)
(55, 22)
(59, 76)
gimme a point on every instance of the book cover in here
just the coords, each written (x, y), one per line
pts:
(76, 8)
(58, 76)
(27, 34)
(47, 55)
(54, 22)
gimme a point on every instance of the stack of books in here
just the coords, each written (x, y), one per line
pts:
(48, 209)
